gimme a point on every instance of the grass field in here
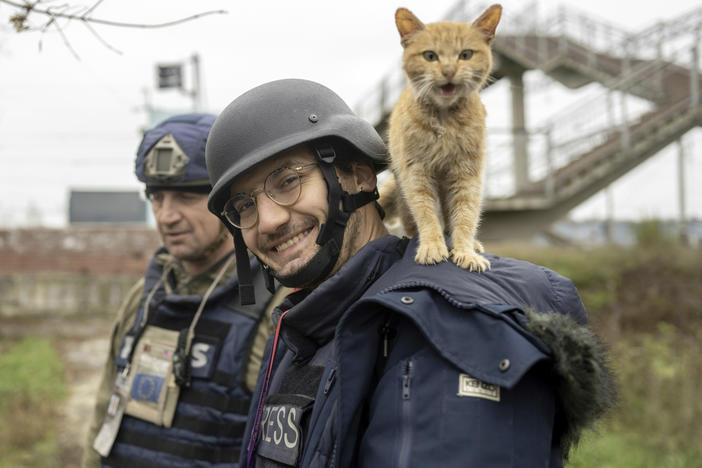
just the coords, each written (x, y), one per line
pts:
(31, 388)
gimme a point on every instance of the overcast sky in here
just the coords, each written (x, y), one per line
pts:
(68, 122)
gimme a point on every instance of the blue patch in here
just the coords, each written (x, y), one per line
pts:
(146, 387)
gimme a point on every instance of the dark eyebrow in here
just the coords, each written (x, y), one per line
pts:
(289, 162)
(292, 162)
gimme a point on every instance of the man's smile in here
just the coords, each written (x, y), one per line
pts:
(290, 242)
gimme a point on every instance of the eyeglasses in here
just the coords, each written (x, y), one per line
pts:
(283, 186)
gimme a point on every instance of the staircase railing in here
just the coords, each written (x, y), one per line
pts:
(586, 124)
(598, 117)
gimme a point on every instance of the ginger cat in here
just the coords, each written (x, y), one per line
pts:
(437, 135)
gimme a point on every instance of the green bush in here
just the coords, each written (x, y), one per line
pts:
(31, 386)
(646, 301)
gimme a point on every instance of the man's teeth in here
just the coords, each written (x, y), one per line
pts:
(290, 242)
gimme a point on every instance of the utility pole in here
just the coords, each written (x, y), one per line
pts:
(196, 92)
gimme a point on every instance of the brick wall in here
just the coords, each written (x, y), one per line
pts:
(79, 270)
(77, 250)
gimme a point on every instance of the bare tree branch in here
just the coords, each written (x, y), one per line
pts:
(102, 41)
(65, 40)
(19, 19)
(93, 7)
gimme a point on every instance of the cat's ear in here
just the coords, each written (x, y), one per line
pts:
(407, 24)
(487, 23)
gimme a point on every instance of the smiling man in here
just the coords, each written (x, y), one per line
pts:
(285, 239)
(378, 361)
(184, 354)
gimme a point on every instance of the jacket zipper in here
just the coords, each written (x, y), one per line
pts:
(321, 403)
(406, 435)
(330, 381)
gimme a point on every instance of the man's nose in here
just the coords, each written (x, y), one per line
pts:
(270, 214)
(168, 212)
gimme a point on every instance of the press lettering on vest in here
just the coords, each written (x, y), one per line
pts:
(126, 347)
(279, 424)
(276, 435)
(291, 422)
(472, 387)
(199, 353)
(266, 413)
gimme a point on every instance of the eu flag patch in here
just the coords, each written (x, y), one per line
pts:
(146, 387)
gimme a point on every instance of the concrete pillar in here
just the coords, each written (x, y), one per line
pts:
(682, 220)
(609, 221)
(694, 72)
(519, 135)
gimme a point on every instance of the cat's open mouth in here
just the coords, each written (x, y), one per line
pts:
(448, 89)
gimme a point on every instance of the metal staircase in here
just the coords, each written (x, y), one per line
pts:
(649, 96)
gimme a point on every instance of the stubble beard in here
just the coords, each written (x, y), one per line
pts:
(348, 248)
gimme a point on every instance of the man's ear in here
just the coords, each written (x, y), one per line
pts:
(364, 177)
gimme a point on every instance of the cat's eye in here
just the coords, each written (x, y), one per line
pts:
(465, 54)
(430, 56)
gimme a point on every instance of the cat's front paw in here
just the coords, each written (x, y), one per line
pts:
(429, 253)
(470, 260)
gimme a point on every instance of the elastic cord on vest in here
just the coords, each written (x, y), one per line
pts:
(185, 340)
(262, 396)
(140, 325)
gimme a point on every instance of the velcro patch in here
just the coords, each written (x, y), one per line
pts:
(471, 387)
(281, 433)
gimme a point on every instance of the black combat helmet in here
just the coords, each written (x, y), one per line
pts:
(277, 116)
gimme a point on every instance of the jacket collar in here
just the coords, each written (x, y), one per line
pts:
(508, 282)
(314, 315)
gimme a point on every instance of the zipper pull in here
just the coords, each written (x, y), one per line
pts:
(388, 333)
(406, 374)
(330, 381)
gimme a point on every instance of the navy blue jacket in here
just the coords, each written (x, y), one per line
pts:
(431, 365)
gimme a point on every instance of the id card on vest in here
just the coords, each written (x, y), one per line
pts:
(153, 392)
(283, 426)
(105, 439)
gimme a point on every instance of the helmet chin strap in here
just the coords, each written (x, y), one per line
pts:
(330, 238)
(331, 234)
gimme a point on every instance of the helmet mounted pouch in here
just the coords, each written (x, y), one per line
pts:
(166, 160)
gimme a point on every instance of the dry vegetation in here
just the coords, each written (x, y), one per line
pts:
(646, 302)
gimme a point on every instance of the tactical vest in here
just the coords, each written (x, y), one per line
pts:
(212, 411)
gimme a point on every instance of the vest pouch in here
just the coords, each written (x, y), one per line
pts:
(153, 392)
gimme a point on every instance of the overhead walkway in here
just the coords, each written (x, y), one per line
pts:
(649, 96)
